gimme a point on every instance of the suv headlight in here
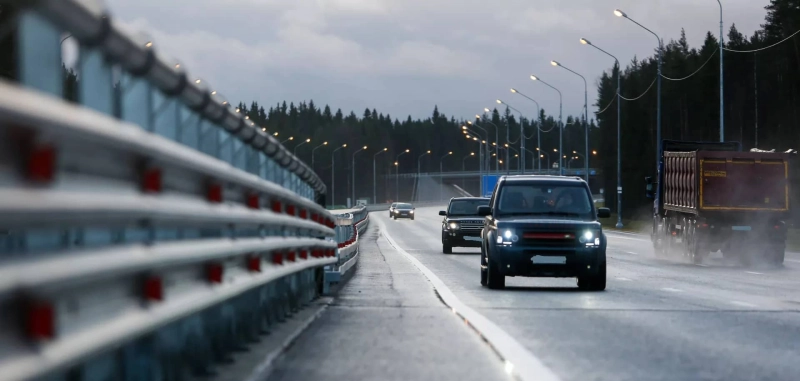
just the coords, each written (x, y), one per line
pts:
(506, 236)
(590, 238)
(454, 226)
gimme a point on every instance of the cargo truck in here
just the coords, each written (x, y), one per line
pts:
(712, 196)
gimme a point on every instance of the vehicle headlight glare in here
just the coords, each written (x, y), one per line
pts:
(588, 236)
(453, 226)
(507, 234)
(597, 241)
(412, 212)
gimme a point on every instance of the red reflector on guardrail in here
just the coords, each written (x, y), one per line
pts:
(276, 206)
(304, 254)
(303, 214)
(253, 201)
(41, 163)
(291, 256)
(153, 288)
(254, 263)
(277, 258)
(151, 180)
(40, 321)
(290, 210)
(214, 193)
(315, 217)
(214, 272)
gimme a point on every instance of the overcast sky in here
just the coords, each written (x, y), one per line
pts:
(405, 56)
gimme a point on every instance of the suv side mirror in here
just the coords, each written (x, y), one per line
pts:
(603, 213)
(484, 210)
(442, 213)
(649, 193)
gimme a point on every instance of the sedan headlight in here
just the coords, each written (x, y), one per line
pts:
(454, 226)
(412, 212)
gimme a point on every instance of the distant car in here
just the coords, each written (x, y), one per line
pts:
(543, 226)
(462, 225)
(403, 210)
(391, 209)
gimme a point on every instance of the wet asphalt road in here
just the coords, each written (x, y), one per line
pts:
(657, 320)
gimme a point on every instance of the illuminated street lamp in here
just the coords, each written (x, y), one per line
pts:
(333, 173)
(585, 110)
(538, 129)
(374, 176)
(441, 171)
(397, 176)
(560, 119)
(290, 138)
(314, 150)
(353, 168)
(303, 142)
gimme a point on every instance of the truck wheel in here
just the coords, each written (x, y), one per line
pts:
(776, 256)
(494, 279)
(446, 248)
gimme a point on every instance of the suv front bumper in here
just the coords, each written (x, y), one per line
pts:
(527, 261)
(459, 238)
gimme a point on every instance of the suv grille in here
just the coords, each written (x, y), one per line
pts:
(550, 238)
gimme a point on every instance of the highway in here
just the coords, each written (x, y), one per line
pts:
(657, 320)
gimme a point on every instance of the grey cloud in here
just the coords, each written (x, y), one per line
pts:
(404, 56)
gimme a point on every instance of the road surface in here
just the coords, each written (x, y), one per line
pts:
(657, 320)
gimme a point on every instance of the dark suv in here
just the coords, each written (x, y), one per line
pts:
(543, 226)
(462, 225)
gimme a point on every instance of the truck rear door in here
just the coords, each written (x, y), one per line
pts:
(743, 181)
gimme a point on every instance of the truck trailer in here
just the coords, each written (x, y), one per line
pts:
(712, 196)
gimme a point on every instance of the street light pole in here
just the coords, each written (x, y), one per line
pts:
(397, 175)
(314, 150)
(353, 168)
(375, 176)
(619, 132)
(560, 121)
(303, 142)
(538, 128)
(333, 174)
(486, 133)
(441, 174)
(521, 137)
(721, 93)
(508, 139)
(419, 165)
(464, 166)
(620, 13)
(496, 139)
(585, 115)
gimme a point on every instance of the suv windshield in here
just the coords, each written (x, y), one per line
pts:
(546, 199)
(403, 206)
(465, 207)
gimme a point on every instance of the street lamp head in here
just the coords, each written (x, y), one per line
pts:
(385, 149)
(450, 153)
(470, 123)
(475, 139)
(463, 127)
(537, 148)
(485, 109)
(513, 90)
(620, 13)
(408, 150)
(344, 145)
(594, 152)
(506, 145)
(555, 63)
(585, 41)
(575, 152)
(516, 155)
(291, 138)
(499, 102)
(483, 141)
(308, 140)
(264, 129)
(555, 150)
(472, 153)
(535, 78)
(365, 147)
(541, 155)
(429, 151)
(395, 163)
(477, 116)
(325, 143)
(275, 134)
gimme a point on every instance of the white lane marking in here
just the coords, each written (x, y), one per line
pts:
(792, 260)
(631, 253)
(630, 239)
(700, 265)
(524, 363)
(623, 279)
(670, 289)
(625, 233)
(754, 273)
(742, 304)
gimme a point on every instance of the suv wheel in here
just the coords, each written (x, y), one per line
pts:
(596, 282)
(483, 267)
(494, 279)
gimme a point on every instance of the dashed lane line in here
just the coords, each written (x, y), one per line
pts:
(670, 289)
(519, 361)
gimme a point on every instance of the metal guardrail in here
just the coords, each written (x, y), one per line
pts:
(133, 244)
(458, 174)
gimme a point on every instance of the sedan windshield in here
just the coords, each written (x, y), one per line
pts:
(404, 206)
(465, 207)
(556, 200)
